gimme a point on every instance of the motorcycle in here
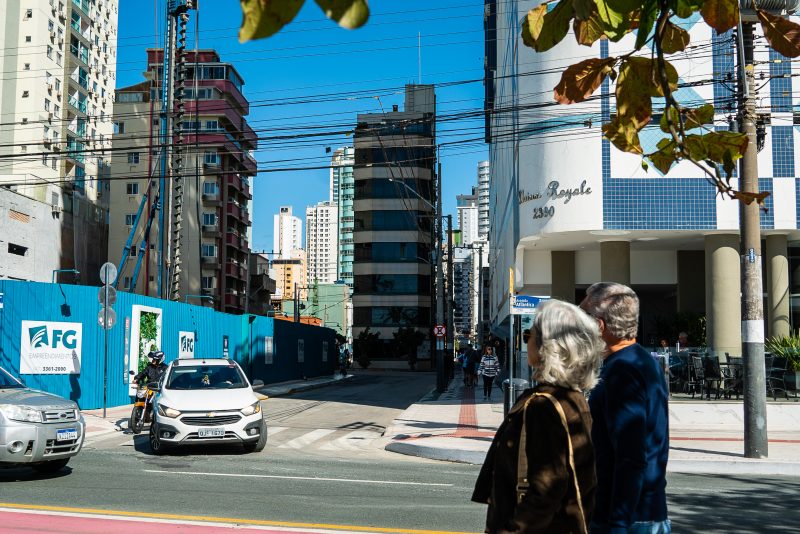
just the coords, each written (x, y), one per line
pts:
(142, 408)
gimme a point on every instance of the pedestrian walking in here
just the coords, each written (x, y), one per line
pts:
(489, 368)
(631, 420)
(474, 360)
(538, 475)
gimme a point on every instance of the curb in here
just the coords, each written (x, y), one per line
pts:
(289, 390)
(437, 453)
(734, 467)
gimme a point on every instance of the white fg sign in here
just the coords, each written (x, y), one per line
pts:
(49, 348)
(185, 344)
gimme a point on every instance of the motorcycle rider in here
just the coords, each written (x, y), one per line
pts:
(154, 370)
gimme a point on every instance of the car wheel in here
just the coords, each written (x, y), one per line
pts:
(258, 446)
(136, 421)
(53, 466)
(157, 446)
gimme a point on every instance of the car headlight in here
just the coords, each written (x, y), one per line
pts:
(166, 411)
(21, 413)
(253, 408)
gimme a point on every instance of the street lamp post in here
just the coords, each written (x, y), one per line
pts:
(76, 272)
(201, 297)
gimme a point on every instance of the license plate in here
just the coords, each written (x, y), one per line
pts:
(66, 434)
(211, 433)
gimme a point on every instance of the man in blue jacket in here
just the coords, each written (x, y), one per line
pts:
(630, 427)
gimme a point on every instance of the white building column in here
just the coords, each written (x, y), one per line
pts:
(723, 295)
(778, 286)
(615, 262)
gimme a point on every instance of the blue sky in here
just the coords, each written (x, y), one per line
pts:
(314, 76)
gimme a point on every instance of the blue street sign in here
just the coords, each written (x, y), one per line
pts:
(525, 304)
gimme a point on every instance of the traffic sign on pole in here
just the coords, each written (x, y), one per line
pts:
(440, 330)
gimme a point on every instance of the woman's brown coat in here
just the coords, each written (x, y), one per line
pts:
(551, 503)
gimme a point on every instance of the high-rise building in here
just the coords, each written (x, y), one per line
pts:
(217, 164)
(288, 233)
(322, 242)
(289, 273)
(342, 193)
(59, 70)
(393, 215)
(482, 192)
(467, 214)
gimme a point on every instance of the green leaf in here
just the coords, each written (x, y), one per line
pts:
(675, 39)
(685, 8)
(350, 14)
(623, 134)
(588, 31)
(722, 15)
(723, 148)
(583, 9)
(580, 80)
(782, 34)
(664, 158)
(532, 26)
(695, 146)
(671, 115)
(624, 6)
(645, 166)
(695, 118)
(636, 84)
(647, 17)
(262, 18)
(615, 24)
(552, 28)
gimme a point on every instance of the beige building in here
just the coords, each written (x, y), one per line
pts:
(216, 194)
(288, 273)
(56, 98)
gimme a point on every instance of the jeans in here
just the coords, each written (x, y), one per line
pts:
(639, 527)
(487, 385)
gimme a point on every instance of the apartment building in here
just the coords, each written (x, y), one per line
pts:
(322, 243)
(216, 193)
(342, 193)
(288, 233)
(56, 98)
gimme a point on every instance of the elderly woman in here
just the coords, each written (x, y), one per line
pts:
(539, 473)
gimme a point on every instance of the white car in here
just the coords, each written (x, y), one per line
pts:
(206, 401)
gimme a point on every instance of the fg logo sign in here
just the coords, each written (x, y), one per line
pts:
(50, 348)
(185, 344)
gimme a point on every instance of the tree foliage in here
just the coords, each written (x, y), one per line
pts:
(642, 75)
(262, 18)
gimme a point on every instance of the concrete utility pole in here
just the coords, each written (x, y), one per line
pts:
(479, 325)
(441, 382)
(450, 320)
(755, 392)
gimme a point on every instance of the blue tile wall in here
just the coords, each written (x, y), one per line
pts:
(780, 87)
(658, 204)
(723, 71)
(768, 218)
(605, 109)
(782, 151)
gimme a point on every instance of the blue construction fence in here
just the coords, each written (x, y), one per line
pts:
(42, 325)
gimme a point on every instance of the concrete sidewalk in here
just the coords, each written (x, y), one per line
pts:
(705, 436)
(116, 419)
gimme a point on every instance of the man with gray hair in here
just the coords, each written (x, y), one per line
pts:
(630, 427)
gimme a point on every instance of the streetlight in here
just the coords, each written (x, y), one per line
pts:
(201, 297)
(401, 182)
(56, 271)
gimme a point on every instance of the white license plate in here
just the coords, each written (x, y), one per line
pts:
(66, 434)
(211, 433)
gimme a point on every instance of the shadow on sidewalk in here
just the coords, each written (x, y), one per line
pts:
(725, 503)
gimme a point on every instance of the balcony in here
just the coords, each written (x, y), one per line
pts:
(233, 240)
(246, 190)
(234, 210)
(234, 269)
(211, 230)
(209, 260)
(233, 301)
(235, 181)
(209, 198)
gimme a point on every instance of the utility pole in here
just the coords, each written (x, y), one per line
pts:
(441, 383)
(755, 394)
(296, 305)
(479, 325)
(450, 322)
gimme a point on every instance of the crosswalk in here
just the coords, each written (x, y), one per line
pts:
(286, 438)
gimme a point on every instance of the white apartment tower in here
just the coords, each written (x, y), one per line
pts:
(288, 233)
(467, 212)
(482, 192)
(58, 60)
(322, 243)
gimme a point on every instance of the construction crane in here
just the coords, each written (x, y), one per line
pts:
(170, 184)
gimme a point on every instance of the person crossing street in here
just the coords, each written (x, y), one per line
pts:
(489, 368)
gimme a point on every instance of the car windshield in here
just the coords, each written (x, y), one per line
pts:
(7, 381)
(206, 377)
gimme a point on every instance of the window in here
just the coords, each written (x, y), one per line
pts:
(209, 251)
(50, 51)
(211, 158)
(130, 218)
(44, 159)
(46, 105)
(210, 188)
(58, 84)
(59, 58)
(212, 125)
(27, 38)
(133, 249)
(24, 94)
(132, 188)
(207, 282)
(18, 250)
(50, 25)
(133, 158)
(54, 161)
(126, 282)
(56, 111)
(119, 127)
(209, 219)
(26, 66)
(28, 13)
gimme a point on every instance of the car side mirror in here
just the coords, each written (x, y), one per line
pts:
(258, 383)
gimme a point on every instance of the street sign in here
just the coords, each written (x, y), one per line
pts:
(112, 295)
(439, 330)
(108, 273)
(107, 323)
(525, 304)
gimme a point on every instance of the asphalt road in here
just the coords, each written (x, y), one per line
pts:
(312, 473)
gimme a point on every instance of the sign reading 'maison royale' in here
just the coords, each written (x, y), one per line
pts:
(552, 193)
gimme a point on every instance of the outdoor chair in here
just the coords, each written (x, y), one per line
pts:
(697, 377)
(715, 378)
(775, 374)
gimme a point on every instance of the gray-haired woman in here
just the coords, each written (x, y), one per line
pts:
(539, 473)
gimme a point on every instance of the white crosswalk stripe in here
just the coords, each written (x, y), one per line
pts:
(272, 430)
(354, 441)
(306, 439)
